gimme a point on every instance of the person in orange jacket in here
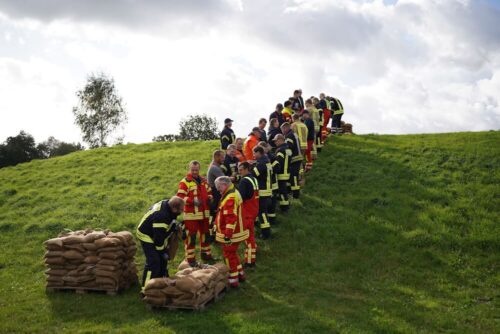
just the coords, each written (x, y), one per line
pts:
(252, 140)
(196, 193)
(230, 228)
(239, 150)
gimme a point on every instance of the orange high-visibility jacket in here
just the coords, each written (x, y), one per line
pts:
(189, 190)
(248, 146)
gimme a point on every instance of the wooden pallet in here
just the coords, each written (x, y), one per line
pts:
(82, 290)
(200, 307)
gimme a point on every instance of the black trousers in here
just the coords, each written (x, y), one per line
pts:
(336, 121)
(264, 203)
(155, 266)
(271, 210)
(283, 195)
(215, 203)
(294, 178)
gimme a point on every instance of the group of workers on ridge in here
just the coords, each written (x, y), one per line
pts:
(246, 181)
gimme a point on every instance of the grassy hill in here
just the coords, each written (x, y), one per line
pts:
(392, 234)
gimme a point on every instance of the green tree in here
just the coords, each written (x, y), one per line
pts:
(18, 149)
(167, 138)
(100, 110)
(198, 127)
(53, 147)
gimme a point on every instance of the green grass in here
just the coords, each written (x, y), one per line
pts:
(392, 234)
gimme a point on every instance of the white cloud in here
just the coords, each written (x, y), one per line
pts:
(413, 66)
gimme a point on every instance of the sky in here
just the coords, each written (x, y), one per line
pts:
(398, 66)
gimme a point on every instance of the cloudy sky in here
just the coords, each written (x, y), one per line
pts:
(407, 66)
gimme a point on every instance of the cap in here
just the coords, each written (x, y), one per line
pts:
(228, 120)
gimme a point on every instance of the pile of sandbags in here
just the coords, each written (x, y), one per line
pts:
(346, 128)
(97, 260)
(189, 288)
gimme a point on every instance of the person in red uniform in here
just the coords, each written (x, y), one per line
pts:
(197, 195)
(230, 229)
(249, 191)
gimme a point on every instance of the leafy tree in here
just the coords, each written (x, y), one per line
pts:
(18, 149)
(99, 111)
(168, 138)
(198, 127)
(53, 147)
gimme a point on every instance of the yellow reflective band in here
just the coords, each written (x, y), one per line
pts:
(144, 237)
(231, 226)
(280, 154)
(181, 191)
(160, 225)
(160, 247)
(225, 137)
(256, 171)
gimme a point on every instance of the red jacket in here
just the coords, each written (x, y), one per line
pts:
(249, 191)
(229, 220)
(189, 189)
(248, 146)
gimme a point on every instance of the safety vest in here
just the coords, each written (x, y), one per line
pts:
(328, 104)
(341, 107)
(283, 160)
(301, 130)
(229, 216)
(251, 206)
(189, 190)
(314, 112)
(264, 179)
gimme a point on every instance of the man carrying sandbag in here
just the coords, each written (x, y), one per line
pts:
(249, 191)
(230, 229)
(153, 231)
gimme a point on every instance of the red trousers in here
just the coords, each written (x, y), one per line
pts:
(193, 229)
(310, 144)
(250, 244)
(233, 262)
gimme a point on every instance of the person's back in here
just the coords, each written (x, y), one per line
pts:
(249, 145)
(300, 129)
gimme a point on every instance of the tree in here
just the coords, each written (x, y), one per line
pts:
(168, 138)
(198, 127)
(99, 111)
(18, 149)
(53, 148)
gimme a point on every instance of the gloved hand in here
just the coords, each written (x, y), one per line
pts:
(173, 226)
(196, 202)
(227, 241)
(165, 256)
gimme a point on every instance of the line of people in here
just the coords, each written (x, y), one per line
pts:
(247, 180)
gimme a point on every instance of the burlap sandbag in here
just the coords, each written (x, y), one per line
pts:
(73, 255)
(112, 255)
(55, 284)
(108, 242)
(56, 242)
(55, 279)
(160, 283)
(89, 246)
(93, 236)
(78, 279)
(77, 247)
(73, 239)
(103, 281)
(207, 276)
(173, 244)
(124, 236)
(55, 260)
(184, 272)
(157, 301)
(109, 262)
(110, 249)
(203, 297)
(89, 284)
(91, 259)
(221, 285)
(188, 284)
(154, 293)
(108, 268)
(89, 253)
(172, 292)
(183, 265)
(56, 272)
(52, 253)
(222, 268)
(113, 274)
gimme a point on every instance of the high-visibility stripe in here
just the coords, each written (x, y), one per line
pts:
(160, 225)
(180, 191)
(231, 226)
(233, 274)
(227, 138)
(144, 237)
(159, 248)
(148, 277)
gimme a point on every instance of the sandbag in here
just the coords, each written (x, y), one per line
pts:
(104, 273)
(51, 253)
(101, 280)
(56, 272)
(112, 255)
(56, 242)
(109, 262)
(173, 244)
(91, 259)
(90, 246)
(73, 239)
(172, 291)
(108, 268)
(184, 272)
(73, 255)
(159, 283)
(77, 247)
(93, 236)
(154, 293)
(222, 268)
(110, 249)
(183, 265)
(157, 301)
(55, 260)
(108, 242)
(188, 284)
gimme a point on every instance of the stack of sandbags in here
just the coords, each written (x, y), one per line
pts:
(100, 260)
(190, 287)
(346, 128)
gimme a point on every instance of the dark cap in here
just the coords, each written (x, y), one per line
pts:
(228, 120)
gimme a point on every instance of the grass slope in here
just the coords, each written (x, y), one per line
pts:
(392, 234)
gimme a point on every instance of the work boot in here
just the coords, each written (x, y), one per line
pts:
(249, 266)
(208, 259)
(193, 263)
(242, 278)
(265, 233)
